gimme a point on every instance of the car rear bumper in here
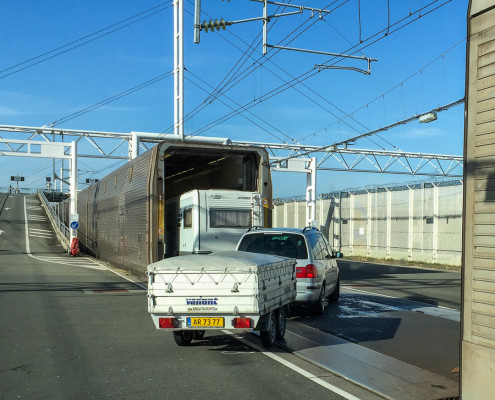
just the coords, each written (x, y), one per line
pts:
(309, 295)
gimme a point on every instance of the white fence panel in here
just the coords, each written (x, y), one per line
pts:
(415, 222)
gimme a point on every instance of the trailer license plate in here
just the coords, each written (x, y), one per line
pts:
(204, 322)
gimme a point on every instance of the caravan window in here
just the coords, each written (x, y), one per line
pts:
(230, 218)
(188, 218)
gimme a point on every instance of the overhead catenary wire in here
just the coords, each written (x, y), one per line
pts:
(251, 113)
(217, 92)
(385, 128)
(311, 73)
(240, 61)
(272, 52)
(262, 98)
(401, 83)
(109, 100)
(31, 62)
(252, 46)
(308, 74)
(247, 71)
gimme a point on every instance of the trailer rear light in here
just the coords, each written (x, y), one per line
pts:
(241, 322)
(165, 323)
(309, 271)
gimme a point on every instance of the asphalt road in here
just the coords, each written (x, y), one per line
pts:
(72, 329)
(438, 288)
(398, 311)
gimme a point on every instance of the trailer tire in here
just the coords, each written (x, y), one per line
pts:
(281, 323)
(268, 337)
(183, 338)
(198, 335)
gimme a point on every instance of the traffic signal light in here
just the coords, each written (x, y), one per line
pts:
(212, 25)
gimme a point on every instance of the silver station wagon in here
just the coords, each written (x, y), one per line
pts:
(317, 272)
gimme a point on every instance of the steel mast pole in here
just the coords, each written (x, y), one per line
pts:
(73, 187)
(179, 68)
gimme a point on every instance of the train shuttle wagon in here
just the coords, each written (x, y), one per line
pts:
(129, 218)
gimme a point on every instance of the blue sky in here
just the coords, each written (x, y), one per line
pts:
(421, 66)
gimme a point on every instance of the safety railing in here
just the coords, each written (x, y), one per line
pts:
(61, 230)
(3, 199)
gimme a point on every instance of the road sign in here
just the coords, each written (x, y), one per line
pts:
(74, 224)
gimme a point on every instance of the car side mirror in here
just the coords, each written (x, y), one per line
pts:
(337, 254)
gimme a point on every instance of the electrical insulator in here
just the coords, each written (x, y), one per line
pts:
(212, 25)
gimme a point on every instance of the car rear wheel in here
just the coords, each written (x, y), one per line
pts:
(319, 307)
(334, 296)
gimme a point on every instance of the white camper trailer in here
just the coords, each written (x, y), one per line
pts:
(215, 220)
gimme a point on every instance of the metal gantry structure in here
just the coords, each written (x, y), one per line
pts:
(285, 157)
(47, 149)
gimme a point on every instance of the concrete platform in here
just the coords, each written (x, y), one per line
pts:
(381, 374)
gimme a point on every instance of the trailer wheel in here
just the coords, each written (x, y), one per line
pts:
(281, 323)
(198, 335)
(268, 337)
(183, 338)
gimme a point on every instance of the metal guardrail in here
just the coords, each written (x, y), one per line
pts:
(61, 230)
(3, 199)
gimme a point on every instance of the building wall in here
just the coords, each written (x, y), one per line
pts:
(478, 279)
(419, 222)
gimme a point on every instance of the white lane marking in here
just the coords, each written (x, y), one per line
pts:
(40, 236)
(436, 311)
(40, 230)
(55, 260)
(1, 232)
(295, 368)
(34, 217)
(92, 264)
(28, 248)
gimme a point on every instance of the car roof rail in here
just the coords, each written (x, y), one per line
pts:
(310, 228)
(256, 227)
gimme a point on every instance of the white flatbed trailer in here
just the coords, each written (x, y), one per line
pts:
(234, 290)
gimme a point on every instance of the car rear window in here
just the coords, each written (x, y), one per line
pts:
(280, 244)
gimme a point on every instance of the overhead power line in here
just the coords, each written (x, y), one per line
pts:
(386, 128)
(109, 100)
(405, 21)
(390, 89)
(237, 77)
(83, 40)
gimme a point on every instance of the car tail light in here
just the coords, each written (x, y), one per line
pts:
(309, 271)
(166, 323)
(241, 322)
